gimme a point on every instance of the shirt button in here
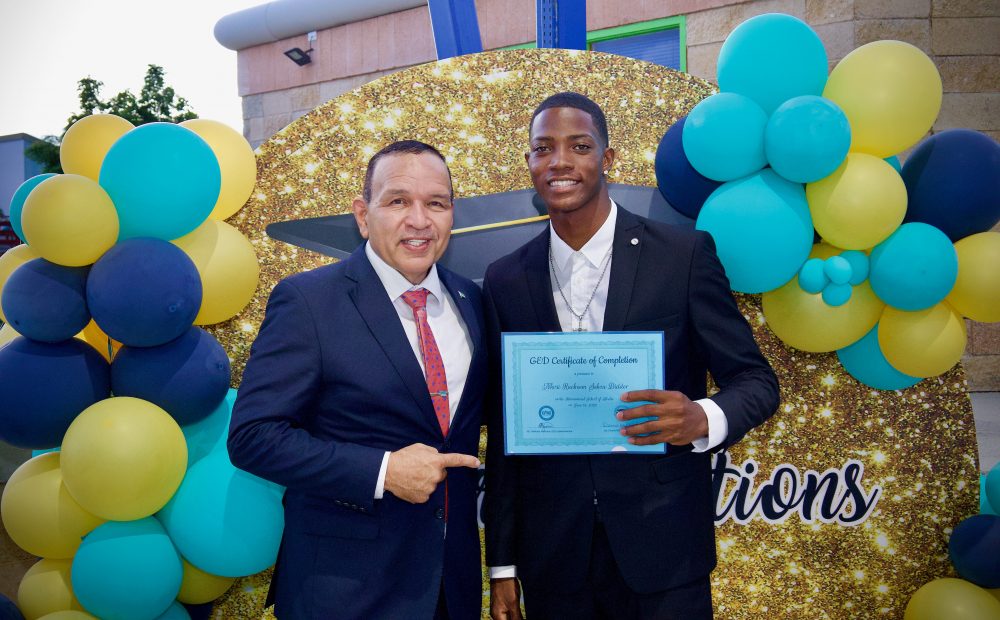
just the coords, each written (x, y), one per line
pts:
(439, 513)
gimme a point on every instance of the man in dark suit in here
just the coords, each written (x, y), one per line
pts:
(362, 393)
(615, 536)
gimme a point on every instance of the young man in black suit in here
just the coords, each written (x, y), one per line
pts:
(615, 536)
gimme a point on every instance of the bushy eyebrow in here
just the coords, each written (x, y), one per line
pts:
(573, 137)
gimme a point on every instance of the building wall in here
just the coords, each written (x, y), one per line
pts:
(14, 166)
(962, 37)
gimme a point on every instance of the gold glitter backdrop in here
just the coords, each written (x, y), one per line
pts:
(901, 465)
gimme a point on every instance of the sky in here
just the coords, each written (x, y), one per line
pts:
(47, 46)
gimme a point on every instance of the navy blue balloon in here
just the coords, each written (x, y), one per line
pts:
(681, 185)
(144, 292)
(45, 301)
(974, 549)
(953, 182)
(8, 610)
(187, 377)
(45, 386)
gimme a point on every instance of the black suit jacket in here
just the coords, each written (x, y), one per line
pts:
(658, 511)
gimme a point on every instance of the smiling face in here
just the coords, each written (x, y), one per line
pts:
(567, 161)
(408, 219)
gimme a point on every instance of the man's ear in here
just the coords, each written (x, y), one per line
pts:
(361, 215)
(527, 155)
(608, 160)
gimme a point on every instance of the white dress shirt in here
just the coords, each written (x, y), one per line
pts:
(583, 274)
(450, 332)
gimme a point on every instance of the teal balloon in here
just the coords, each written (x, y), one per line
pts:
(915, 268)
(35, 453)
(993, 488)
(984, 502)
(859, 266)
(176, 611)
(127, 570)
(807, 138)
(223, 520)
(163, 179)
(772, 58)
(866, 363)
(894, 162)
(836, 294)
(17, 202)
(209, 433)
(762, 229)
(812, 276)
(838, 269)
(723, 137)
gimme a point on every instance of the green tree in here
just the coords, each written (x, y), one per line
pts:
(156, 102)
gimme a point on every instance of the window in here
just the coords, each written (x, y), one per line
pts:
(660, 41)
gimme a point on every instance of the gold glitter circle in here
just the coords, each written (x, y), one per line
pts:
(917, 445)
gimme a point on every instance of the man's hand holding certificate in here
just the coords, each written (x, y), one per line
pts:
(677, 419)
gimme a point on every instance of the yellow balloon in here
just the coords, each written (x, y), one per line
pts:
(228, 267)
(951, 599)
(995, 592)
(236, 162)
(924, 343)
(804, 321)
(40, 515)
(891, 94)
(123, 458)
(93, 335)
(70, 220)
(199, 587)
(976, 293)
(7, 334)
(69, 615)
(11, 260)
(46, 588)
(860, 204)
(87, 142)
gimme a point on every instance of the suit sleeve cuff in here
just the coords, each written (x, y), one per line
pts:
(503, 572)
(718, 426)
(380, 483)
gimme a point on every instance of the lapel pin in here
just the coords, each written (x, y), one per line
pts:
(634, 241)
(461, 294)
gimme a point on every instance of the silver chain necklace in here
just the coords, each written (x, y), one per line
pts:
(579, 317)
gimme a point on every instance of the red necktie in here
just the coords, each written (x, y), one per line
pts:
(437, 382)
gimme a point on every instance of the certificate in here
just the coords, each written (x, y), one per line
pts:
(561, 390)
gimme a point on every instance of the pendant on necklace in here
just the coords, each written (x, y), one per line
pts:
(579, 329)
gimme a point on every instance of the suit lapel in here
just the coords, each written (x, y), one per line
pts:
(376, 309)
(536, 272)
(465, 308)
(624, 263)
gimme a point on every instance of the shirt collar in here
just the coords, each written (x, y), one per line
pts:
(394, 282)
(594, 250)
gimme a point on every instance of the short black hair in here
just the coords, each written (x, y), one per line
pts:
(402, 147)
(570, 99)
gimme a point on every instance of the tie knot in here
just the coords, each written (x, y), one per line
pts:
(417, 298)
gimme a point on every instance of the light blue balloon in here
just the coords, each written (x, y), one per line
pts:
(915, 268)
(812, 277)
(762, 230)
(223, 520)
(993, 488)
(176, 611)
(210, 432)
(806, 138)
(772, 58)
(984, 501)
(17, 202)
(865, 362)
(859, 266)
(836, 294)
(163, 179)
(127, 570)
(894, 162)
(35, 453)
(723, 137)
(838, 269)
